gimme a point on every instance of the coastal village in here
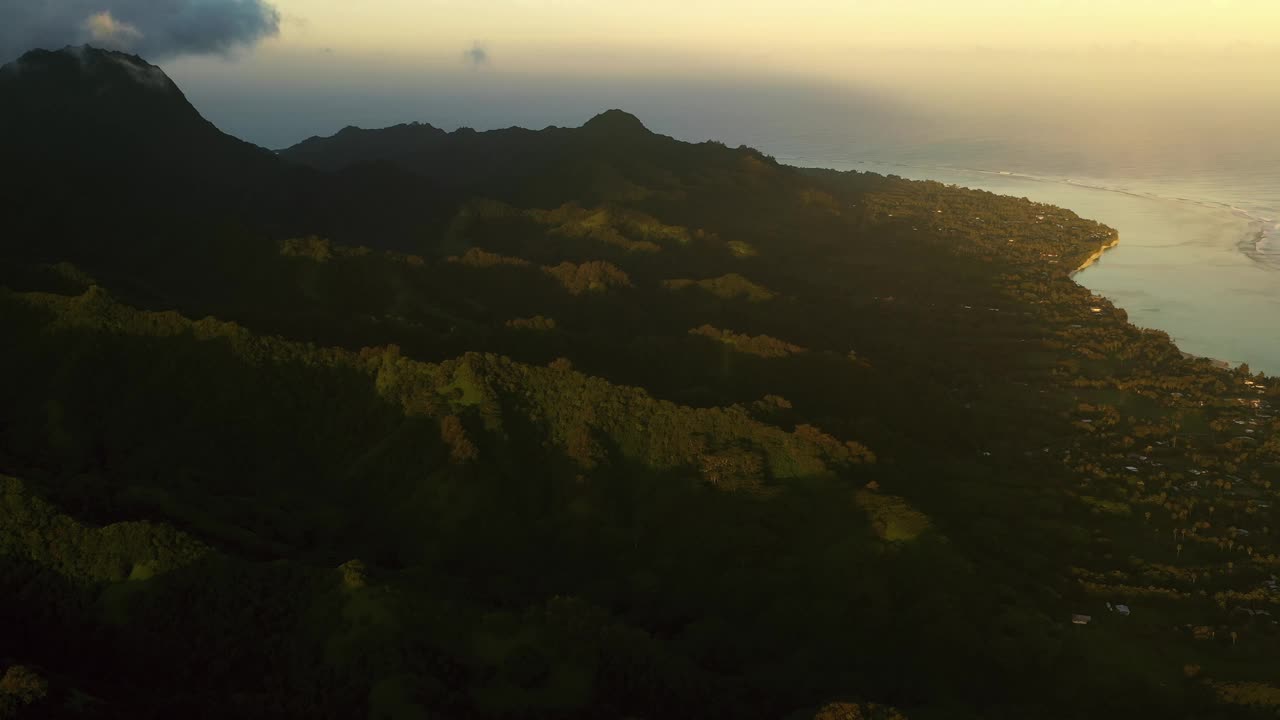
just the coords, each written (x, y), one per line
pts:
(1185, 471)
(1177, 458)
(1174, 458)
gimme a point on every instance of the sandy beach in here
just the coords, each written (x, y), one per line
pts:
(1089, 261)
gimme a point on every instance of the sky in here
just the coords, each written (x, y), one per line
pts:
(793, 34)
(277, 71)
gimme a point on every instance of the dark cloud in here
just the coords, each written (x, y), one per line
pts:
(151, 28)
(477, 56)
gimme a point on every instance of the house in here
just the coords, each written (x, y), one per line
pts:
(1203, 632)
(1123, 610)
(1080, 619)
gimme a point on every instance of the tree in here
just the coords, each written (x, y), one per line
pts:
(20, 687)
(461, 449)
(857, 711)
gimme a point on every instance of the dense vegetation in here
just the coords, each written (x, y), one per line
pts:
(592, 423)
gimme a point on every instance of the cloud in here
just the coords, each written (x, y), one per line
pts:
(155, 29)
(106, 31)
(477, 56)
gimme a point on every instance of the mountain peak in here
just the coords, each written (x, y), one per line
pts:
(616, 122)
(83, 86)
(84, 102)
(85, 65)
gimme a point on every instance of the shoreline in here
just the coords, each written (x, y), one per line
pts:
(1097, 255)
(1218, 363)
(1258, 246)
(1162, 284)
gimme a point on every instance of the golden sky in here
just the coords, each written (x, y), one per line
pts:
(925, 49)
(1092, 64)
(789, 35)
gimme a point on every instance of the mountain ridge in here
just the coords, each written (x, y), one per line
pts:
(612, 122)
(467, 159)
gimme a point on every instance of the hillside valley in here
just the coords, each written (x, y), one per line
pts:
(590, 422)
